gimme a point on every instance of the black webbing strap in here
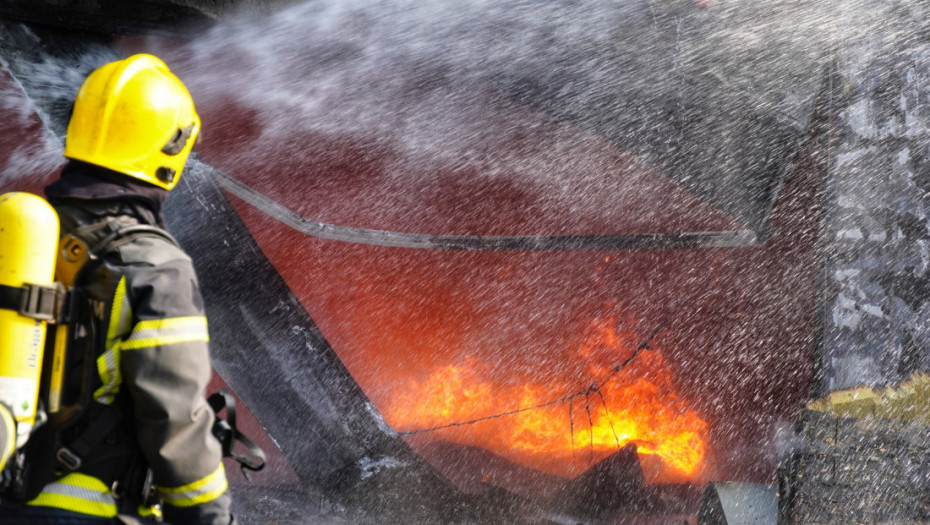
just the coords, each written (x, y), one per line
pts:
(71, 456)
(31, 300)
(228, 434)
(116, 231)
(10, 297)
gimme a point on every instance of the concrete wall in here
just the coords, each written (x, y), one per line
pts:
(874, 233)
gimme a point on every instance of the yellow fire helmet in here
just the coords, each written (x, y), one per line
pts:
(134, 116)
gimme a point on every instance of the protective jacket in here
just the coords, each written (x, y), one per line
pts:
(152, 364)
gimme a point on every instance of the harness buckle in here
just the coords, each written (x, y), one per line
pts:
(39, 301)
(68, 459)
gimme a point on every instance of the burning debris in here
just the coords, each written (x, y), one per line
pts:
(611, 491)
(475, 470)
(633, 401)
(613, 485)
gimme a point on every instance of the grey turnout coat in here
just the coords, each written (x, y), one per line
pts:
(152, 365)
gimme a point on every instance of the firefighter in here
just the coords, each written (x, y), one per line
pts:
(132, 128)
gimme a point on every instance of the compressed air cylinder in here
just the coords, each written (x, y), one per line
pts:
(28, 246)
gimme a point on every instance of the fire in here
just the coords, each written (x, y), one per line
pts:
(564, 431)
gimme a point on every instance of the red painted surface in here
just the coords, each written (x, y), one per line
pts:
(741, 320)
(740, 330)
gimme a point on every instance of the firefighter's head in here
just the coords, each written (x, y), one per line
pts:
(135, 117)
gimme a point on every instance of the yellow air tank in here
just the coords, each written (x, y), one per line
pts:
(28, 246)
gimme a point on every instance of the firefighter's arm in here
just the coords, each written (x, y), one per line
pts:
(165, 361)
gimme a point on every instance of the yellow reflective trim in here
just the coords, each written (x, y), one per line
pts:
(161, 332)
(108, 362)
(78, 493)
(201, 491)
(119, 314)
(108, 366)
(193, 321)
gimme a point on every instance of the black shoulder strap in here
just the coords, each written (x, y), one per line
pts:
(228, 434)
(118, 231)
(43, 301)
(89, 242)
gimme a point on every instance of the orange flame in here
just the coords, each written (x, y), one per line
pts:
(564, 433)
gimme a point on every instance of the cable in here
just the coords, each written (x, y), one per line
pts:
(495, 416)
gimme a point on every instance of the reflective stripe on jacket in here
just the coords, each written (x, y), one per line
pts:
(78, 493)
(196, 493)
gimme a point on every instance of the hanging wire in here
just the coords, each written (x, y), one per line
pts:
(587, 408)
(486, 418)
(571, 424)
(609, 419)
